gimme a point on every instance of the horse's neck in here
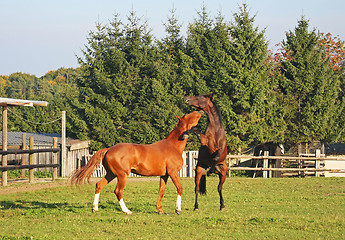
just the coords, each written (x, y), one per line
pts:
(173, 138)
(214, 132)
(213, 117)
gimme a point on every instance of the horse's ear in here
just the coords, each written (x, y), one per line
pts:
(210, 95)
(179, 118)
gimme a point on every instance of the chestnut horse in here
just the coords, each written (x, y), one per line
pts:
(213, 150)
(163, 158)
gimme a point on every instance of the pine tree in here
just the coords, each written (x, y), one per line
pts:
(253, 105)
(310, 86)
(197, 48)
(103, 67)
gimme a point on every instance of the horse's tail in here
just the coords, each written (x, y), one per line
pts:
(202, 185)
(83, 174)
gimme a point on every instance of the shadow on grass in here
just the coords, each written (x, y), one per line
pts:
(139, 206)
(136, 207)
(24, 205)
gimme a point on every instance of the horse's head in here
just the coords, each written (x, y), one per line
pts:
(201, 102)
(188, 121)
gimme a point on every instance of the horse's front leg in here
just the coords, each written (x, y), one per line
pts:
(162, 183)
(176, 180)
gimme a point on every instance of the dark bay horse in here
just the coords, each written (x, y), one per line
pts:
(213, 150)
(163, 158)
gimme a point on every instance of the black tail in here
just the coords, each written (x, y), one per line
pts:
(202, 185)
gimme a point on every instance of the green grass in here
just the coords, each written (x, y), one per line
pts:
(289, 208)
(13, 174)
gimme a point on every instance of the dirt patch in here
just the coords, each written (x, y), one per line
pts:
(23, 185)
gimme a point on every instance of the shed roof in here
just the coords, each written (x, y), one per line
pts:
(335, 148)
(21, 102)
(15, 138)
(43, 139)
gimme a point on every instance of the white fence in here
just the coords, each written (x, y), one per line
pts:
(189, 163)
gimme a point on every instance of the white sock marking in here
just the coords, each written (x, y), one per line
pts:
(95, 202)
(123, 207)
(178, 202)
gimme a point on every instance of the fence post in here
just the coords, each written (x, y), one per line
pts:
(181, 172)
(265, 164)
(31, 160)
(23, 156)
(63, 143)
(229, 165)
(55, 155)
(317, 162)
(4, 144)
(190, 164)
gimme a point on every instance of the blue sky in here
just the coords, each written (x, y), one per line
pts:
(37, 36)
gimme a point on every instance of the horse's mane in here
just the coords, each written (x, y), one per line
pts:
(216, 108)
(218, 112)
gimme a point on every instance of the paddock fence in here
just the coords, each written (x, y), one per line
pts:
(292, 166)
(302, 165)
(34, 160)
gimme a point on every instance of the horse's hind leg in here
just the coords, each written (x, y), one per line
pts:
(197, 188)
(222, 177)
(121, 182)
(99, 186)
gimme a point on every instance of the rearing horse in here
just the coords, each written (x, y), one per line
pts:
(163, 158)
(213, 150)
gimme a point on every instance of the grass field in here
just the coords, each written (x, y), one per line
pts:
(289, 208)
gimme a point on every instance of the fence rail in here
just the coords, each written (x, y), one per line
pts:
(267, 171)
(190, 159)
(54, 165)
(28, 151)
(285, 157)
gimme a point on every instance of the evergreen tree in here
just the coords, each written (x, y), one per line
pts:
(198, 48)
(208, 49)
(253, 105)
(172, 73)
(103, 68)
(125, 85)
(310, 86)
(334, 49)
(232, 61)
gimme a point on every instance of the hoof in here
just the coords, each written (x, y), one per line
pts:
(178, 212)
(222, 208)
(94, 210)
(196, 209)
(129, 213)
(160, 211)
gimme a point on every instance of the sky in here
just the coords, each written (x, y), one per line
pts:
(38, 36)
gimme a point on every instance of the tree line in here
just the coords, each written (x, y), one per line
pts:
(130, 84)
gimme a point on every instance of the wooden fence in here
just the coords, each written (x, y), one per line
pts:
(305, 164)
(302, 165)
(23, 165)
